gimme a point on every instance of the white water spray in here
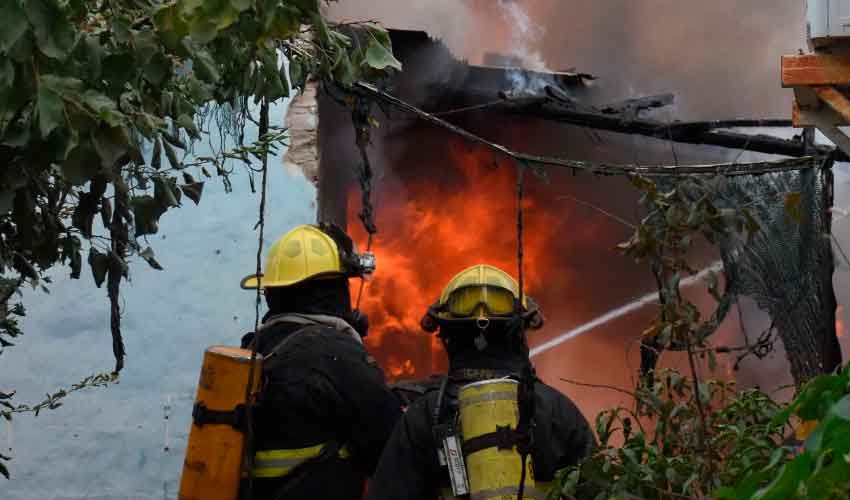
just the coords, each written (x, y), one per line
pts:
(619, 312)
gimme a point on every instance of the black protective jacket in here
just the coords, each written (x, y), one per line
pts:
(409, 467)
(323, 387)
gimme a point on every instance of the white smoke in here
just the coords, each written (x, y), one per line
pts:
(524, 40)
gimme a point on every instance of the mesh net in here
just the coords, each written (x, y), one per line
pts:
(787, 266)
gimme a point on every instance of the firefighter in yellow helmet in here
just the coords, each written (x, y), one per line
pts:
(324, 412)
(489, 429)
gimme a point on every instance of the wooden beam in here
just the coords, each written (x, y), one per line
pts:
(836, 100)
(802, 116)
(815, 69)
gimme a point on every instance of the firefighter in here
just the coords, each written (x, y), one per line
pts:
(325, 411)
(512, 431)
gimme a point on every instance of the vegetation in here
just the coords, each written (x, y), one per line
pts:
(690, 438)
(101, 102)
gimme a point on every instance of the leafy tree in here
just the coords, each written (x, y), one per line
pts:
(101, 100)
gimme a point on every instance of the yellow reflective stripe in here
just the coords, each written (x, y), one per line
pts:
(278, 463)
(485, 397)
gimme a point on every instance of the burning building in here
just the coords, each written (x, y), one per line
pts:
(443, 203)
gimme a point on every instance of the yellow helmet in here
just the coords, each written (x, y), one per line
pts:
(481, 291)
(305, 252)
(478, 291)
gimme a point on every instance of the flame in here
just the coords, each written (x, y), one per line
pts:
(430, 228)
(840, 329)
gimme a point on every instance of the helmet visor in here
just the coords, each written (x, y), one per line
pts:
(495, 300)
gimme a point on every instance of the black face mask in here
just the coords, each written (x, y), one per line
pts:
(329, 296)
(500, 336)
(321, 296)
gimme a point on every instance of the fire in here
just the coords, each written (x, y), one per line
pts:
(429, 229)
(840, 329)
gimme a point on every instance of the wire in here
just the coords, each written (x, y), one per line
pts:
(248, 457)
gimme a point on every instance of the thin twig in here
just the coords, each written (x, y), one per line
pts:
(599, 386)
(600, 210)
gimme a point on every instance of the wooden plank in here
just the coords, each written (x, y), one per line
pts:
(835, 99)
(815, 69)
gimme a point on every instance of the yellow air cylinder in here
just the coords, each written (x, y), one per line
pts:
(493, 473)
(212, 469)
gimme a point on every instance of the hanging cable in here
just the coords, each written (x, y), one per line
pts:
(360, 116)
(520, 195)
(525, 395)
(248, 457)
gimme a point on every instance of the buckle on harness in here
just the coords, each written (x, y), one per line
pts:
(201, 416)
(506, 437)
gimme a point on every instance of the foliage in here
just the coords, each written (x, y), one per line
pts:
(687, 438)
(678, 213)
(669, 460)
(102, 100)
(822, 468)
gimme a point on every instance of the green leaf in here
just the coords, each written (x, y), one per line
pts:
(54, 33)
(99, 264)
(3, 470)
(105, 108)
(171, 155)
(379, 57)
(94, 56)
(344, 73)
(146, 214)
(202, 62)
(111, 144)
(84, 212)
(186, 122)
(158, 69)
(150, 258)
(81, 165)
(786, 481)
(13, 23)
(156, 155)
(166, 192)
(193, 191)
(170, 25)
(379, 52)
(146, 44)
(203, 30)
(297, 73)
(51, 108)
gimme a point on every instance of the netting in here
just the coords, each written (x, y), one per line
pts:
(787, 266)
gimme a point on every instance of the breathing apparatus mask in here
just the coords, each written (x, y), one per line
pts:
(491, 311)
(355, 265)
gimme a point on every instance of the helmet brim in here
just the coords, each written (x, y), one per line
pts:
(252, 282)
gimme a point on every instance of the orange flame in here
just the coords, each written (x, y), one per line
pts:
(840, 329)
(429, 230)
